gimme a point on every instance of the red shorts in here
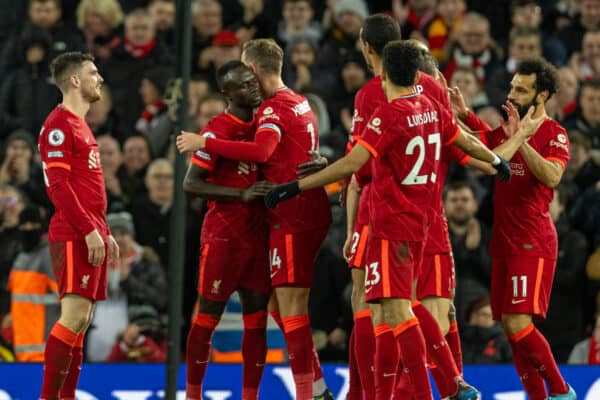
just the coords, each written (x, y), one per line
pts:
(225, 267)
(293, 256)
(359, 245)
(391, 266)
(521, 284)
(437, 276)
(74, 274)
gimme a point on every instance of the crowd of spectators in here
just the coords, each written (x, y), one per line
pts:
(133, 42)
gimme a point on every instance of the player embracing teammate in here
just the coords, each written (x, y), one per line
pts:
(403, 138)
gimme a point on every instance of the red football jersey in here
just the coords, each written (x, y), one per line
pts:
(367, 99)
(67, 142)
(431, 88)
(225, 220)
(289, 115)
(522, 224)
(438, 240)
(405, 138)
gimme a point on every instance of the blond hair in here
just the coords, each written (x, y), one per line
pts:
(110, 10)
(265, 54)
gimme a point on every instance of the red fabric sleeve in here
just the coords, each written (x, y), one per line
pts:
(65, 200)
(475, 123)
(258, 151)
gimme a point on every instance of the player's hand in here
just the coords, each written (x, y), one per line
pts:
(95, 245)
(259, 189)
(189, 141)
(347, 247)
(510, 126)
(281, 193)
(458, 103)
(503, 168)
(317, 162)
(529, 125)
(243, 168)
(113, 251)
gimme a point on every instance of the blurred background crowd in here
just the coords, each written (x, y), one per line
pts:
(478, 45)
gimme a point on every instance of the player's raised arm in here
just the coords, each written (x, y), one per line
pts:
(258, 151)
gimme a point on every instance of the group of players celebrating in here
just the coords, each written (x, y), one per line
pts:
(404, 136)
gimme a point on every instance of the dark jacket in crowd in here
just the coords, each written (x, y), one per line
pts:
(123, 74)
(28, 94)
(10, 246)
(564, 323)
(146, 282)
(485, 345)
(152, 228)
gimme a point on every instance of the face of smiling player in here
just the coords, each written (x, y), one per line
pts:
(91, 82)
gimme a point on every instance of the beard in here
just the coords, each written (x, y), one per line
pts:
(523, 108)
(460, 221)
(91, 95)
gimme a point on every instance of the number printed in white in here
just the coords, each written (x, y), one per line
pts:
(413, 177)
(314, 142)
(275, 260)
(515, 280)
(371, 270)
(355, 240)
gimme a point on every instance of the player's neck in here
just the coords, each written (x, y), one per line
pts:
(539, 112)
(76, 104)
(245, 114)
(377, 65)
(270, 84)
(394, 92)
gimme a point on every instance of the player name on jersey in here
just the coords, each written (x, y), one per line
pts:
(427, 117)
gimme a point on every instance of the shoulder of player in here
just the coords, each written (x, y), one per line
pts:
(551, 130)
(58, 122)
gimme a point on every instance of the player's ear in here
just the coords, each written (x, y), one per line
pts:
(542, 97)
(74, 79)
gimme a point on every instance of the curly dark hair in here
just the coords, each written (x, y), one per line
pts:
(546, 75)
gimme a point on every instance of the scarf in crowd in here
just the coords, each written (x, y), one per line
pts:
(139, 51)
(594, 356)
(151, 111)
(466, 60)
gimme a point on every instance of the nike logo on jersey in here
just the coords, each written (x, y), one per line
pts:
(518, 301)
(387, 375)
(367, 290)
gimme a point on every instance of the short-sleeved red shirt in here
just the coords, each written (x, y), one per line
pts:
(522, 224)
(225, 220)
(66, 141)
(405, 138)
(290, 116)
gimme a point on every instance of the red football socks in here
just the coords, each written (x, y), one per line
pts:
(453, 339)
(364, 349)
(70, 385)
(254, 353)
(437, 347)
(198, 351)
(386, 361)
(354, 389)
(531, 380)
(535, 346)
(298, 337)
(412, 348)
(57, 359)
(318, 381)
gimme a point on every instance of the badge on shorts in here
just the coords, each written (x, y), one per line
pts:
(56, 137)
